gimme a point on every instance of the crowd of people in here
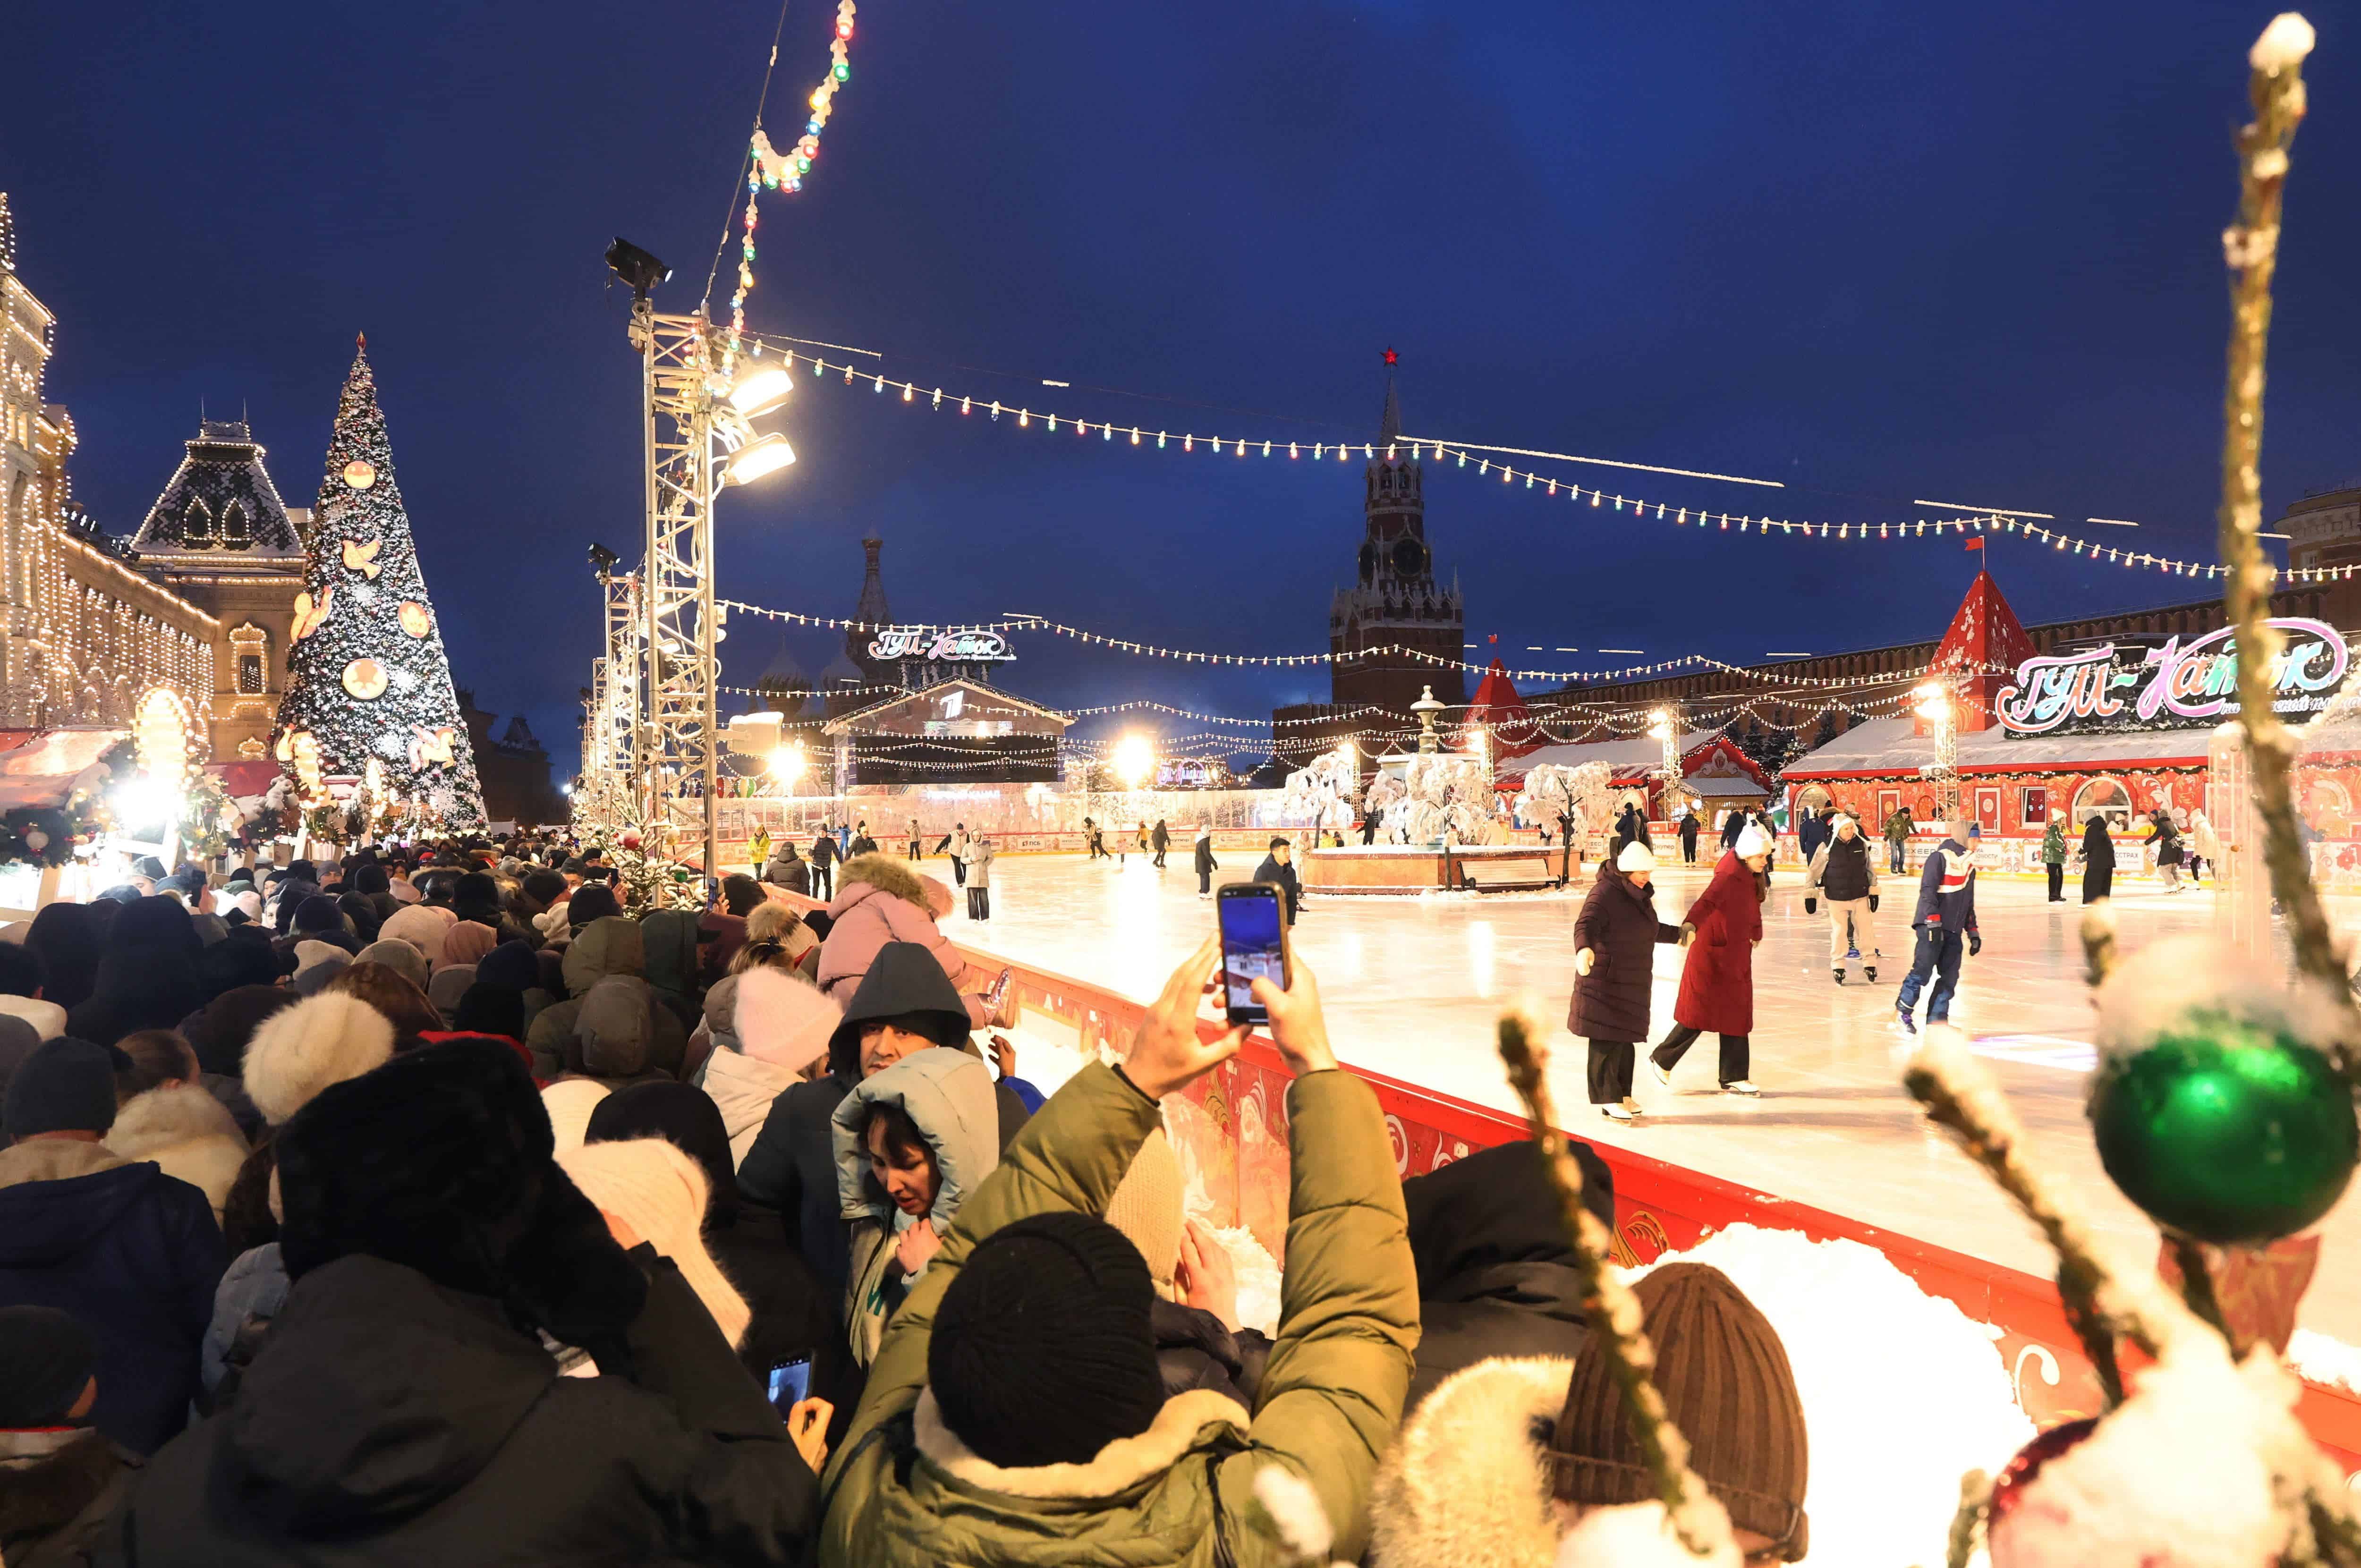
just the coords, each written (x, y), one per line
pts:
(437, 1204)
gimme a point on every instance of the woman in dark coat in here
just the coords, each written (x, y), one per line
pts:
(1614, 937)
(2098, 858)
(67, 936)
(1718, 981)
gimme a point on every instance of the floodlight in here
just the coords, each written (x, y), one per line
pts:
(767, 456)
(638, 270)
(761, 385)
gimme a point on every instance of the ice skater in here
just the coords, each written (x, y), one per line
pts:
(1689, 828)
(1162, 839)
(1898, 829)
(1717, 976)
(1945, 924)
(2098, 858)
(1205, 863)
(2053, 858)
(978, 858)
(2205, 848)
(2167, 840)
(1846, 874)
(1614, 938)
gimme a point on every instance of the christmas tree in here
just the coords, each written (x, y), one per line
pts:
(368, 687)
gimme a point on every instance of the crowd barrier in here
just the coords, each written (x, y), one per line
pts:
(1230, 1129)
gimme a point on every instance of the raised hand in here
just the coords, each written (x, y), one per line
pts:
(1297, 1027)
(1165, 1053)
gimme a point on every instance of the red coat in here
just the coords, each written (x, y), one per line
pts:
(1717, 978)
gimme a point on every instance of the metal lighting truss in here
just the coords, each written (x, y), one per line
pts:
(608, 786)
(676, 749)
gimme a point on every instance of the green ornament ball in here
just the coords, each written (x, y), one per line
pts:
(2225, 1131)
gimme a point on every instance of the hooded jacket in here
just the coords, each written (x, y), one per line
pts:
(58, 1489)
(787, 1025)
(607, 948)
(391, 1420)
(879, 901)
(1716, 992)
(1182, 1491)
(1464, 1485)
(188, 1133)
(669, 938)
(792, 1165)
(133, 1254)
(947, 1093)
(141, 985)
(1619, 926)
(614, 1032)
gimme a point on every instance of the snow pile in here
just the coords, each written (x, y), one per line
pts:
(1902, 1391)
(2179, 1476)
(2153, 991)
(1640, 1535)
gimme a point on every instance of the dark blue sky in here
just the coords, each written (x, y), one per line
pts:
(1879, 252)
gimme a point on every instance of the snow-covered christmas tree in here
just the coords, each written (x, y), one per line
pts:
(366, 676)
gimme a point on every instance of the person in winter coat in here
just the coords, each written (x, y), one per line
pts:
(979, 856)
(661, 1193)
(132, 1253)
(1898, 829)
(1614, 937)
(1496, 1275)
(1276, 869)
(60, 1478)
(2204, 847)
(1015, 1412)
(1689, 829)
(2053, 858)
(2098, 858)
(172, 1120)
(758, 848)
(1199, 1343)
(788, 869)
(1846, 874)
(607, 948)
(825, 852)
(68, 939)
(904, 1004)
(1161, 840)
(1203, 855)
(1497, 1465)
(1945, 924)
(911, 1144)
(779, 1024)
(403, 1407)
(885, 900)
(1717, 976)
(147, 979)
(2167, 840)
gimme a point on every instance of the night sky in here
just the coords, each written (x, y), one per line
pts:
(1880, 253)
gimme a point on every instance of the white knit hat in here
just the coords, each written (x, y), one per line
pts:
(297, 1052)
(420, 925)
(569, 1103)
(1753, 841)
(1636, 857)
(660, 1192)
(784, 1019)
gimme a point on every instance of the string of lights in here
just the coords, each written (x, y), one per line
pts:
(2022, 526)
(769, 169)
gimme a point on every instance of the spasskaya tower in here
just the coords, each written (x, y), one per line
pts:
(1394, 607)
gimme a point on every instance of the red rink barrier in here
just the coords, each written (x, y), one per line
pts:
(1231, 1126)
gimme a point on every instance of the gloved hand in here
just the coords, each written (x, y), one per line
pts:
(1975, 943)
(1688, 933)
(1873, 903)
(1583, 962)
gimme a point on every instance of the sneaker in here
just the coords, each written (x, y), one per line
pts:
(1740, 1086)
(1852, 952)
(1840, 974)
(1908, 1025)
(1615, 1113)
(1664, 1080)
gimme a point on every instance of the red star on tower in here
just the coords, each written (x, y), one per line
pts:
(1391, 357)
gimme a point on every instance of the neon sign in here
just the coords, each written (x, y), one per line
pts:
(952, 644)
(2176, 684)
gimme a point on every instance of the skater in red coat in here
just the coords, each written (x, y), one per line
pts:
(1718, 979)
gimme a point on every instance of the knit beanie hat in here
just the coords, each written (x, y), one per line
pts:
(1147, 1209)
(661, 1193)
(591, 901)
(510, 967)
(398, 956)
(300, 1051)
(418, 924)
(569, 1103)
(47, 1359)
(65, 1085)
(545, 888)
(784, 1019)
(1753, 841)
(1042, 1351)
(1727, 1385)
(1636, 857)
(316, 964)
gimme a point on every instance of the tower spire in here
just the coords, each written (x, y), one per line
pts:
(1390, 426)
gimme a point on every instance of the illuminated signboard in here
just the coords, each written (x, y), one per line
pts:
(2178, 683)
(953, 645)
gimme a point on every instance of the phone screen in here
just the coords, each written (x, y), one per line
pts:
(1253, 948)
(790, 1384)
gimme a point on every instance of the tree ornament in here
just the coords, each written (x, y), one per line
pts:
(36, 840)
(362, 558)
(630, 841)
(360, 473)
(365, 678)
(414, 619)
(2214, 1106)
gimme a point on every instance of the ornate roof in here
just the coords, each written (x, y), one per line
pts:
(220, 504)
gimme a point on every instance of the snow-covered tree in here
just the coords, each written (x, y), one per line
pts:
(1446, 792)
(1321, 792)
(1579, 802)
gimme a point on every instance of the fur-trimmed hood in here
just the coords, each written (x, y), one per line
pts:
(886, 875)
(170, 1115)
(1464, 1485)
(1115, 1469)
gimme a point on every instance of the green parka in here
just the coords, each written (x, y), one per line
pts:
(2053, 844)
(906, 1493)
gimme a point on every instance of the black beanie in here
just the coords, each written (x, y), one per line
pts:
(47, 1359)
(65, 1085)
(1043, 1352)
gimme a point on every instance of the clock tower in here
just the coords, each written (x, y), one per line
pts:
(1394, 610)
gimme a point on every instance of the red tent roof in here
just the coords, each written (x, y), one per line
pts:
(1500, 709)
(1984, 633)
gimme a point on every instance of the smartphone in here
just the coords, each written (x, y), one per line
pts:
(790, 1384)
(1253, 920)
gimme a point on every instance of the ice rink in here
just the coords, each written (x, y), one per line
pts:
(1412, 986)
